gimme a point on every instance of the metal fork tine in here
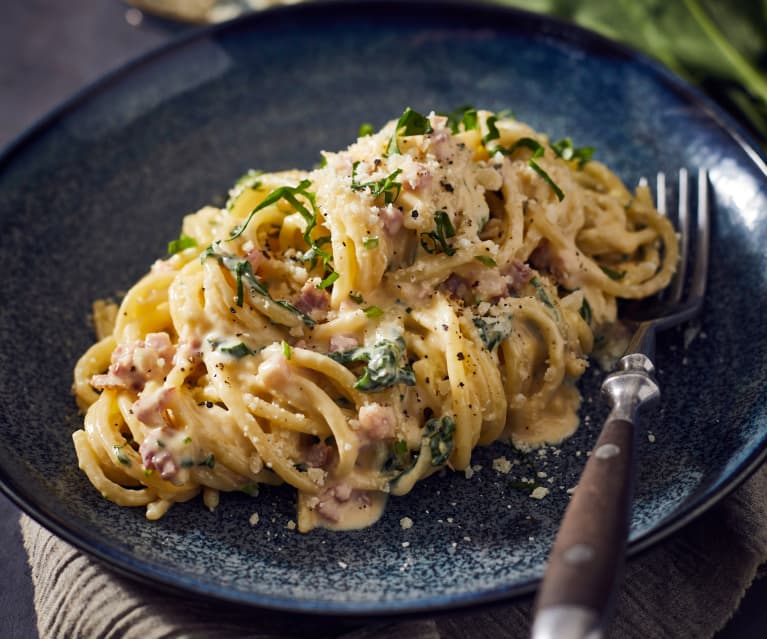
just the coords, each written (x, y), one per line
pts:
(660, 193)
(698, 285)
(683, 228)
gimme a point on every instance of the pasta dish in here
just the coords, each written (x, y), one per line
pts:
(352, 329)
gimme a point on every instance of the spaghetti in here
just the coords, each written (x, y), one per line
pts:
(351, 330)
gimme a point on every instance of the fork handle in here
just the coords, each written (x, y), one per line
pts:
(587, 557)
(586, 562)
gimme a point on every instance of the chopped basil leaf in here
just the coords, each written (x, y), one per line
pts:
(466, 115)
(250, 488)
(365, 129)
(329, 279)
(440, 433)
(383, 369)
(492, 330)
(436, 241)
(612, 274)
(238, 350)
(209, 461)
(492, 130)
(387, 186)
(373, 311)
(370, 242)
(121, 457)
(248, 181)
(187, 463)
(585, 311)
(243, 272)
(356, 297)
(183, 242)
(564, 148)
(187, 440)
(541, 291)
(410, 123)
(287, 351)
(538, 151)
(485, 259)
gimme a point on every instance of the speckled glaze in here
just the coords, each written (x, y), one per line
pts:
(90, 197)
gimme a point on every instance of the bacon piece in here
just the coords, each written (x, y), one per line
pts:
(136, 363)
(319, 455)
(517, 274)
(377, 422)
(341, 343)
(391, 217)
(149, 407)
(331, 501)
(313, 301)
(156, 457)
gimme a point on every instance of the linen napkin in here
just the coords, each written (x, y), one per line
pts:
(687, 586)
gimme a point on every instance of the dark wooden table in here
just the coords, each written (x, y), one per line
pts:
(49, 49)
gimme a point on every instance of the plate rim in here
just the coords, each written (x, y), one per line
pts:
(550, 27)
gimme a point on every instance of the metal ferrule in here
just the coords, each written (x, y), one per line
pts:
(631, 386)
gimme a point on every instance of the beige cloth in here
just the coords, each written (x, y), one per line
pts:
(688, 586)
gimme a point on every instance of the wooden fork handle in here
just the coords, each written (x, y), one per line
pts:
(587, 559)
(586, 562)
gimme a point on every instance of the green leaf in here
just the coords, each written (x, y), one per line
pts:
(465, 115)
(370, 242)
(329, 280)
(439, 432)
(486, 260)
(410, 123)
(564, 148)
(183, 242)
(248, 181)
(287, 351)
(538, 151)
(373, 311)
(436, 241)
(365, 129)
(611, 273)
(387, 186)
(585, 311)
(237, 350)
(383, 368)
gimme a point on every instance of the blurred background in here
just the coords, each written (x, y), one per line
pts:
(50, 49)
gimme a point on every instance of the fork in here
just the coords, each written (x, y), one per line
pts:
(585, 565)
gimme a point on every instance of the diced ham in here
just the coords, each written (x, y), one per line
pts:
(332, 501)
(341, 343)
(274, 371)
(417, 176)
(319, 455)
(391, 217)
(255, 256)
(313, 301)
(157, 457)
(377, 422)
(149, 407)
(138, 362)
(517, 274)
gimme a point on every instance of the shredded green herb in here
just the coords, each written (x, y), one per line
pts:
(237, 350)
(410, 123)
(612, 274)
(383, 368)
(388, 186)
(485, 259)
(365, 129)
(183, 242)
(585, 311)
(564, 148)
(436, 241)
(370, 242)
(440, 433)
(373, 311)
(287, 351)
(538, 152)
(248, 181)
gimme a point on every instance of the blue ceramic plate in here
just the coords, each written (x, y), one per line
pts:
(90, 197)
